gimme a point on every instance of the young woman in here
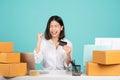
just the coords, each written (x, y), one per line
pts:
(48, 50)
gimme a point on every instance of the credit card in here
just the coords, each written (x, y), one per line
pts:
(62, 43)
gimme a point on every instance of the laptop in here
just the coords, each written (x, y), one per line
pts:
(28, 57)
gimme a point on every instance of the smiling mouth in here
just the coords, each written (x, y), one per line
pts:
(54, 32)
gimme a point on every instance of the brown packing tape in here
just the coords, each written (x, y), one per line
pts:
(34, 73)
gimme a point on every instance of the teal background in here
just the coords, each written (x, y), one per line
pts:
(21, 20)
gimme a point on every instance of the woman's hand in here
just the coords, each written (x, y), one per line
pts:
(67, 49)
(40, 36)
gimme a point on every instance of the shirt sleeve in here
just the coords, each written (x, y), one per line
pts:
(39, 56)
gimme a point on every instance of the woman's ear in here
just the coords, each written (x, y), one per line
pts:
(61, 28)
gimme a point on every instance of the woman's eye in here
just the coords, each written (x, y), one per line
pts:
(51, 26)
(54, 26)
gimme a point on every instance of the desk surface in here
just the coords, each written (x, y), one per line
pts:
(63, 75)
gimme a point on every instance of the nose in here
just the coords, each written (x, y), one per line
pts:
(53, 28)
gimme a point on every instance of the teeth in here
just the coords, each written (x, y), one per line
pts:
(54, 32)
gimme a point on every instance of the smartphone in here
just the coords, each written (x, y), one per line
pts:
(62, 43)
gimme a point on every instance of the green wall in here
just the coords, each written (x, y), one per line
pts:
(21, 20)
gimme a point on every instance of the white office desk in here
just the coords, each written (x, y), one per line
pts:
(63, 75)
(2, 78)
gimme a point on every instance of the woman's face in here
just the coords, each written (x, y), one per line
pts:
(55, 29)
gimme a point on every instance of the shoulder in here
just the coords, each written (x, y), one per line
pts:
(44, 41)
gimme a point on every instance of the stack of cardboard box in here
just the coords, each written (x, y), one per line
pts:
(104, 63)
(10, 65)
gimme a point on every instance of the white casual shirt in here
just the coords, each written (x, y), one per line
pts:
(53, 59)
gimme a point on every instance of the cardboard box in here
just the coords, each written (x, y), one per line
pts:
(12, 70)
(10, 57)
(6, 46)
(94, 69)
(107, 57)
(88, 52)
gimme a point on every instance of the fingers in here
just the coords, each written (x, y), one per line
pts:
(67, 49)
(39, 36)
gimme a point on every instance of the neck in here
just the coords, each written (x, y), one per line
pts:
(55, 40)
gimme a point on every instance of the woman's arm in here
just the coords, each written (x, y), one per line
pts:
(68, 53)
(37, 49)
(68, 59)
(37, 52)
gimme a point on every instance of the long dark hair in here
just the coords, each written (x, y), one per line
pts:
(60, 21)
